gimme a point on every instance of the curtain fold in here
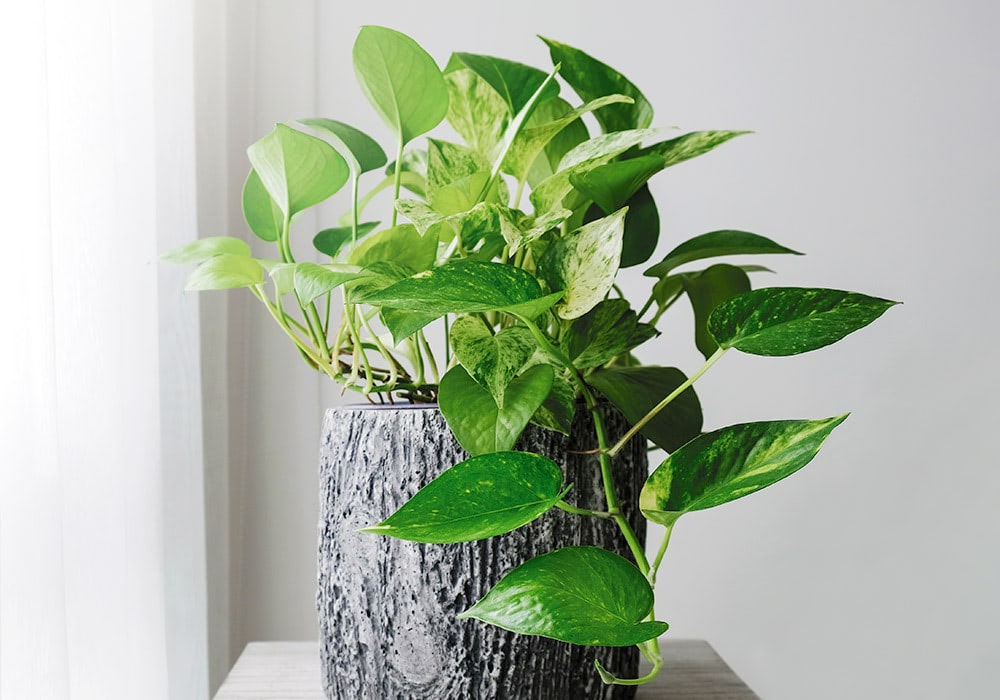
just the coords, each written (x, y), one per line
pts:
(101, 514)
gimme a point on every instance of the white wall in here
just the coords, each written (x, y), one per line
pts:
(872, 573)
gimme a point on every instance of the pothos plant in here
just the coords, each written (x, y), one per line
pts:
(510, 242)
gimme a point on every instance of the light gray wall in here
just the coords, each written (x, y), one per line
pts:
(871, 574)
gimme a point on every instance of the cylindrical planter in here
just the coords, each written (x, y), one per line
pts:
(387, 607)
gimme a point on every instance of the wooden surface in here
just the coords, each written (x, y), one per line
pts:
(290, 671)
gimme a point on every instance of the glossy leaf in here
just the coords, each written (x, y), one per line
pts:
(376, 277)
(730, 463)
(331, 240)
(226, 271)
(585, 263)
(262, 213)
(636, 390)
(580, 595)
(204, 248)
(402, 244)
(402, 323)
(557, 411)
(611, 185)
(642, 227)
(706, 290)
(479, 425)
(464, 287)
(313, 281)
(361, 151)
(514, 82)
(792, 320)
(689, 146)
(609, 329)
(717, 244)
(491, 359)
(561, 143)
(475, 110)
(400, 80)
(296, 169)
(591, 79)
(481, 497)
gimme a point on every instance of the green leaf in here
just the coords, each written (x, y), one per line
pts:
(716, 244)
(706, 290)
(611, 185)
(331, 240)
(475, 110)
(791, 320)
(730, 463)
(226, 271)
(361, 151)
(466, 286)
(479, 425)
(402, 323)
(448, 163)
(557, 411)
(401, 244)
(567, 138)
(481, 497)
(690, 145)
(580, 595)
(400, 80)
(514, 82)
(262, 213)
(296, 169)
(591, 79)
(636, 390)
(585, 263)
(642, 227)
(204, 248)
(313, 281)
(492, 360)
(376, 277)
(609, 329)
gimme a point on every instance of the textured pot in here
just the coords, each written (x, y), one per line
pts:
(387, 607)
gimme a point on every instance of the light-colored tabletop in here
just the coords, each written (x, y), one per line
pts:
(290, 671)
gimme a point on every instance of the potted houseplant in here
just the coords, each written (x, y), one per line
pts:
(502, 247)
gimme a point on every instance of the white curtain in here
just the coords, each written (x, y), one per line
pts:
(101, 516)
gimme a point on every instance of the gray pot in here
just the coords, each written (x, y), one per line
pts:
(387, 607)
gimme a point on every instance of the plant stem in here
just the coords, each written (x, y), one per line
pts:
(563, 505)
(659, 554)
(396, 178)
(663, 404)
(653, 673)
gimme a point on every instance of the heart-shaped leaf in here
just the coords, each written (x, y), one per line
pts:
(609, 329)
(716, 244)
(204, 248)
(262, 213)
(730, 463)
(585, 263)
(580, 595)
(591, 79)
(226, 271)
(400, 80)
(792, 320)
(481, 497)
(706, 290)
(400, 244)
(493, 360)
(479, 425)
(636, 390)
(467, 286)
(402, 323)
(361, 151)
(313, 281)
(514, 82)
(331, 240)
(296, 169)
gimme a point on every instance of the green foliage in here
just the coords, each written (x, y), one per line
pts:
(519, 225)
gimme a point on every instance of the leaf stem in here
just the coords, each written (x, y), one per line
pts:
(396, 178)
(663, 404)
(659, 554)
(563, 505)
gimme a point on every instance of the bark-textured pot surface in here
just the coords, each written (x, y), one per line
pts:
(387, 607)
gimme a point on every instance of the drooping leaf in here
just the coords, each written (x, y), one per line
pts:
(584, 263)
(330, 240)
(376, 277)
(479, 425)
(557, 411)
(491, 359)
(401, 81)
(466, 286)
(262, 213)
(402, 323)
(402, 244)
(361, 151)
(636, 390)
(514, 82)
(706, 290)
(717, 244)
(313, 281)
(792, 320)
(481, 497)
(603, 333)
(204, 248)
(730, 463)
(475, 110)
(580, 595)
(591, 79)
(689, 145)
(296, 169)
(226, 271)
